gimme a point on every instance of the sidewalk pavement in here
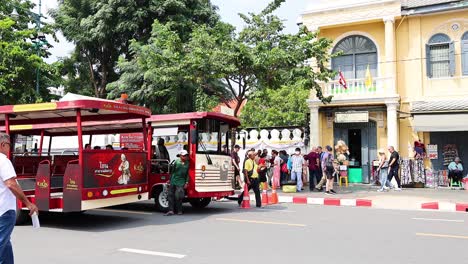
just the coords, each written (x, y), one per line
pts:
(443, 199)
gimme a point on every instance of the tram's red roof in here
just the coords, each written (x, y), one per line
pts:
(116, 126)
(65, 112)
(182, 117)
(70, 129)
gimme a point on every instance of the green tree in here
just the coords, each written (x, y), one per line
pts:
(102, 31)
(223, 65)
(155, 76)
(260, 57)
(20, 59)
(285, 106)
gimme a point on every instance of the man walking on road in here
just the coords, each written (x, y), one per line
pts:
(251, 178)
(9, 192)
(178, 183)
(297, 163)
(393, 167)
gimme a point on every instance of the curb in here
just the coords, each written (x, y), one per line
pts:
(323, 201)
(447, 207)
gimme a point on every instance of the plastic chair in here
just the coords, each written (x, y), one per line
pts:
(455, 184)
(343, 175)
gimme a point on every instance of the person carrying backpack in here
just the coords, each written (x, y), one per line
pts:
(328, 169)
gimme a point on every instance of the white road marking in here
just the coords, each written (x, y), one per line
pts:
(277, 210)
(285, 199)
(348, 202)
(440, 220)
(319, 201)
(152, 253)
(121, 211)
(258, 222)
(441, 235)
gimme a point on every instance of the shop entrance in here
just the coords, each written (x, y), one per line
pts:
(355, 146)
(449, 146)
(362, 142)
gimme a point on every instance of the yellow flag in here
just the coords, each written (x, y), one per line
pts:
(368, 81)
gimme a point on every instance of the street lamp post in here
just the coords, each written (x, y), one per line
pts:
(38, 41)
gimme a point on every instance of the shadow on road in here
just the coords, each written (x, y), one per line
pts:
(135, 215)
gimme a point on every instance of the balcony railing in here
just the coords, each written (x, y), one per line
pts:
(356, 88)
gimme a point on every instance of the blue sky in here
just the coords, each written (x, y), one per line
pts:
(228, 9)
(289, 11)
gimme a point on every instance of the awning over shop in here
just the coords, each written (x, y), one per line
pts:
(440, 122)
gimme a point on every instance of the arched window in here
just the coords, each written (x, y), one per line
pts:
(440, 56)
(464, 53)
(357, 52)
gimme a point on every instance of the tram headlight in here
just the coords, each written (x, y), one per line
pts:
(203, 168)
(105, 193)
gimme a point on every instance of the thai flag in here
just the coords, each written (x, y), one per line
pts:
(342, 80)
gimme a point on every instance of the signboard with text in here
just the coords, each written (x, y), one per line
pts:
(132, 141)
(352, 117)
(432, 152)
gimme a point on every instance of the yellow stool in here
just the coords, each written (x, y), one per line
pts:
(343, 175)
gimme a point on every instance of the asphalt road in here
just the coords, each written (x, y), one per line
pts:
(222, 233)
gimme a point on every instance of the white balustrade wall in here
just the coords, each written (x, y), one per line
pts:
(273, 139)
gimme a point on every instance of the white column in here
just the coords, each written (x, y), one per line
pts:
(390, 64)
(392, 124)
(314, 125)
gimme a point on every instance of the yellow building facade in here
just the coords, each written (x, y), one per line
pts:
(405, 64)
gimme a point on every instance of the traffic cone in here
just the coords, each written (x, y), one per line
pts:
(274, 196)
(265, 194)
(246, 199)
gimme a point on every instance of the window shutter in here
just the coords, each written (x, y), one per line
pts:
(464, 48)
(428, 61)
(452, 59)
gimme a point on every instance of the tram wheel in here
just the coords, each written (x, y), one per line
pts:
(161, 200)
(200, 203)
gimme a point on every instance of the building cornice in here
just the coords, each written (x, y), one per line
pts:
(347, 6)
(359, 13)
(387, 100)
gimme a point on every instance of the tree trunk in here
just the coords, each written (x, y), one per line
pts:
(238, 106)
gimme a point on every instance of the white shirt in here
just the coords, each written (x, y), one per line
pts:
(297, 163)
(7, 198)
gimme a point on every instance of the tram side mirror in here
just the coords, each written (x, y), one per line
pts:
(193, 136)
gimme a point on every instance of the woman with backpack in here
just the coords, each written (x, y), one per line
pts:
(262, 171)
(328, 169)
(382, 171)
(284, 166)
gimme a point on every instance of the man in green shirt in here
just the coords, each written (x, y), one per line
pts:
(251, 178)
(179, 182)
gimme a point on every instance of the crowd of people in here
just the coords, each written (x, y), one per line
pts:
(317, 169)
(264, 169)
